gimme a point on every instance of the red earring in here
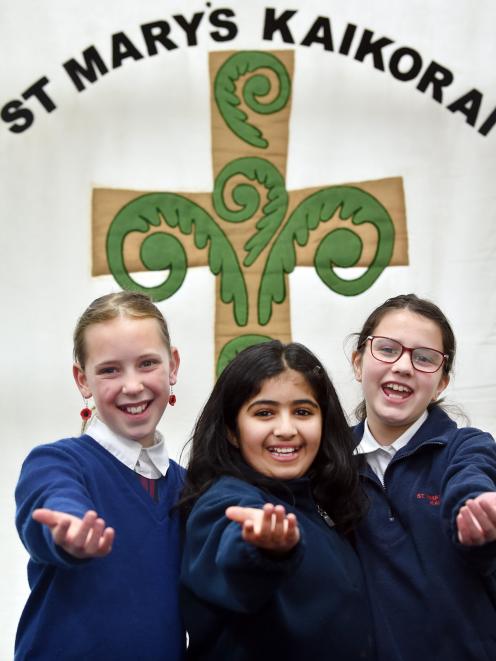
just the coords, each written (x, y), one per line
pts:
(85, 412)
(172, 397)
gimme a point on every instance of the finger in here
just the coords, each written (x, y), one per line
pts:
(80, 536)
(248, 532)
(279, 525)
(264, 530)
(93, 539)
(60, 531)
(46, 517)
(106, 542)
(489, 509)
(471, 530)
(293, 531)
(460, 525)
(479, 513)
(239, 514)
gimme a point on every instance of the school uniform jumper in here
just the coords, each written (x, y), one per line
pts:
(122, 607)
(432, 598)
(241, 603)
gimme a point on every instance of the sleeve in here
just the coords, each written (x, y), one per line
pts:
(50, 477)
(471, 471)
(219, 566)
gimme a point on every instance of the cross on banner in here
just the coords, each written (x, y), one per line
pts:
(250, 231)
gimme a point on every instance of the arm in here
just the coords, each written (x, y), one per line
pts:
(218, 565)
(470, 477)
(52, 479)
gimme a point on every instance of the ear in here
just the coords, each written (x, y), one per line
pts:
(173, 365)
(442, 385)
(232, 439)
(81, 381)
(356, 361)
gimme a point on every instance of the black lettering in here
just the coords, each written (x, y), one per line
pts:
(189, 28)
(14, 110)
(319, 33)
(122, 48)
(488, 124)
(349, 33)
(157, 32)
(412, 68)
(280, 24)
(92, 63)
(37, 90)
(469, 105)
(439, 77)
(374, 48)
(216, 19)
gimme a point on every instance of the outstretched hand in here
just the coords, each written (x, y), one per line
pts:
(83, 538)
(476, 520)
(269, 528)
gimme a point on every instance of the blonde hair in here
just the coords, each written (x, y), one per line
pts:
(105, 308)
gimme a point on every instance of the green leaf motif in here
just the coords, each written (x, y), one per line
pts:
(341, 247)
(255, 88)
(234, 346)
(161, 250)
(247, 200)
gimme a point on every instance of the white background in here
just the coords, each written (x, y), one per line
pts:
(146, 125)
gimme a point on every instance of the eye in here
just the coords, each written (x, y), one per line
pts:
(426, 357)
(387, 349)
(263, 413)
(149, 362)
(107, 370)
(303, 412)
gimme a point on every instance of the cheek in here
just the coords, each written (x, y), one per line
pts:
(370, 372)
(105, 392)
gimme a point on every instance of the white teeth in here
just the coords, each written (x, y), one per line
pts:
(282, 450)
(136, 409)
(396, 386)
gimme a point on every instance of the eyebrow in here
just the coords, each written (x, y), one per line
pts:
(273, 402)
(117, 360)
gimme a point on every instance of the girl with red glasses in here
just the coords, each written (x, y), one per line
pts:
(428, 542)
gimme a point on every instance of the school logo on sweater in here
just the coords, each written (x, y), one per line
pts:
(432, 499)
(250, 230)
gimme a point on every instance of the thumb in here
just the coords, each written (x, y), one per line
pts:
(239, 514)
(46, 516)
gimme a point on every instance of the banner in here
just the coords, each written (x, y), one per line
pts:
(262, 170)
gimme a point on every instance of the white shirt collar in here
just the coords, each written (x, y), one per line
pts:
(378, 456)
(369, 444)
(151, 462)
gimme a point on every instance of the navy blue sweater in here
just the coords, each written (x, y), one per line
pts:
(122, 607)
(432, 598)
(242, 604)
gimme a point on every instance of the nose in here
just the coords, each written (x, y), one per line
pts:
(132, 384)
(285, 426)
(403, 364)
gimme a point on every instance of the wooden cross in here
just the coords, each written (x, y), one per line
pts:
(250, 230)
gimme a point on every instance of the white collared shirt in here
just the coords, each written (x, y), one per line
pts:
(151, 462)
(378, 456)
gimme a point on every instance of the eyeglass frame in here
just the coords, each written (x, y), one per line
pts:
(410, 350)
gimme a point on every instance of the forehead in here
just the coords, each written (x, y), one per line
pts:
(136, 333)
(411, 329)
(289, 384)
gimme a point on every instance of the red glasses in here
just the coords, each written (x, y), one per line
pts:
(389, 351)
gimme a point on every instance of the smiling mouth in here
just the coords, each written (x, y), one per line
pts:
(396, 391)
(134, 409)
(284, 453)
